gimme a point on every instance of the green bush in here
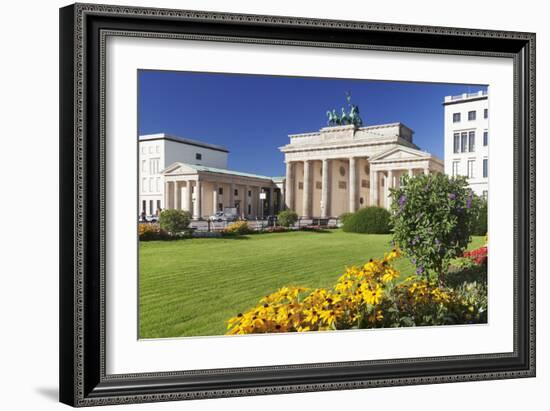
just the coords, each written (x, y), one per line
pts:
(368, 220)
(432, 218)
(480, 221)
(287, 218)
(345, 216)
(174, 221)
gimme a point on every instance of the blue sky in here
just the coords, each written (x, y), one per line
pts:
(253, 115)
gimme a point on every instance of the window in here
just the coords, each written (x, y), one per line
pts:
(318, 185)
(365, 183)
(158, 206)
(151, 186)
(485, 167)
(342, 185)
(150, 207)
(198, 156)
(157, 150)
(471, 164)
(471, 141)
(463, 142)
(300, 185)
(456, 117)
(220, 191)
(154, 165)
(236, 192)
(361, 200)
(455, 168)
(250, 209)
(157, 185)
(249, 194)
(342, 171)
(485, 194)
(143, 166)
(150, 149)
(456, 142)
(144, 185)
(471, 115)
(220, 206)
(144, 206)
(143, 149)
(485, 113)
(485, 137)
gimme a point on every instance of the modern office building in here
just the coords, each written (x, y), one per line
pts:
(467, 139)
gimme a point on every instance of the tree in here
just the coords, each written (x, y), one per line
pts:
(432, 219)
(174, 221)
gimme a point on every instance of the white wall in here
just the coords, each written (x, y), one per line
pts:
(29, 291)
(185, 153)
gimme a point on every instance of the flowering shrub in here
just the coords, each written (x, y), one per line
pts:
(237, 228)
(479, 255)
(363, 297)
(432, 218)
(151, 231)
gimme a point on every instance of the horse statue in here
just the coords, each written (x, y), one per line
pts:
(333, 119)
(355, 119)
(345, 118)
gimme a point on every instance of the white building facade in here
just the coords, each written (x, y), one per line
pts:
(158, 151)
(467, 139)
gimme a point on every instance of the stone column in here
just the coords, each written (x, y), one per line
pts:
(388, 186)
(215, 198)
(411, 172)
(352, 184)
(167, 195)
(189, 197)
(176, 196)
(325, 189)
(426, 170)
(373, 187)
(307, 189)
(197, 205)
(289, 186)
(182, 194)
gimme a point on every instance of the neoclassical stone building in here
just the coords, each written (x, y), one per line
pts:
(335, 170)
(341, 168)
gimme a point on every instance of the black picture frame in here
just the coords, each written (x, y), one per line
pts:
(83, 29)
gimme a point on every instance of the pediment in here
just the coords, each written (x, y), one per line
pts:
(399, 154)
(178, 168)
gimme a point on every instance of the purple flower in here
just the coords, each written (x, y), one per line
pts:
(469, 202)
(437, 242)
(413, 260)
(419, 270)
(402, 200)
(452, 196)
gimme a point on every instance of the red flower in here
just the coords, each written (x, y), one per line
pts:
(479, 255)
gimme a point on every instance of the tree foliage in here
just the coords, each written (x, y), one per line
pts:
(432, 219)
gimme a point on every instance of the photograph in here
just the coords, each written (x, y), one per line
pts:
(282, 204)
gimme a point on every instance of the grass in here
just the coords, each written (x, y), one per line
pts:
(191, 287)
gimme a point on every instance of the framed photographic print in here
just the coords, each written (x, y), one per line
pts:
(262, 204)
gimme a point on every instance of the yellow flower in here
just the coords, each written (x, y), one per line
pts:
(328, 317)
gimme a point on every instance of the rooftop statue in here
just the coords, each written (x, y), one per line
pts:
(345, 118)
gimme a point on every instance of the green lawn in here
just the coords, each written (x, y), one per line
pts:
(190, 287)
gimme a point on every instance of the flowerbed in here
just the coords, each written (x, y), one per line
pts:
(479, 255)
(364, 297)
(151, 232)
